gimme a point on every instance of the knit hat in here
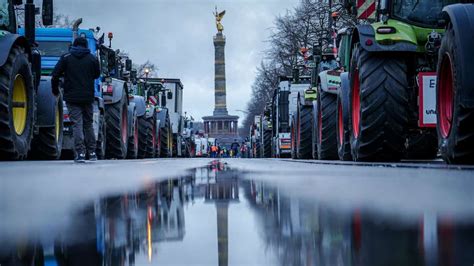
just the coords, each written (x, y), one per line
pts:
(80, 41)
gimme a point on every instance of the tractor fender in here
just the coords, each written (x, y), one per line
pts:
(119, 88)
(140, 104)
(365, 35)
(132, 110)
(461, 16)
(162, 117)
(45, 103)
(8, 41)
(330, 81)
(345, 83)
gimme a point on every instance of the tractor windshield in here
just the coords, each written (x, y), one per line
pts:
(423, 12)
(4, 15)
(53, 49)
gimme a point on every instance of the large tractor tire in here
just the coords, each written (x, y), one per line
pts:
(342, 126)
(326, 137)
(158, 142)
(379, 101)
(47, 145)
(314, 137)
(152, 138)
(116, 119)
(267, 143)
(101, 138)
(166, 139)
(258, 149)
(422, 145)
(455, 121)
(304, 132)
(17, 106)
(293, 130)
(143, 132)
(132, 150)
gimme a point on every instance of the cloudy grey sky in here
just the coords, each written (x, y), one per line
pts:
(176, 35)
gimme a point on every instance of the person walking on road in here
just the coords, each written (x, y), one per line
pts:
(80, 69)
(234, 148)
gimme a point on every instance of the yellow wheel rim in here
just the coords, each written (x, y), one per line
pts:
(20, 106)
(57, 123)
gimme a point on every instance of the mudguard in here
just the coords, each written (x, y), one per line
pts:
(131, 116)
(6, 43)
(366, 35)
(45, 104)
(330, 81)
(119, 88)
(345, 82)
(461, 17)
(140, 104)
(162, 116)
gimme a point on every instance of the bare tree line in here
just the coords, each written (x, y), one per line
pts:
(304, 26)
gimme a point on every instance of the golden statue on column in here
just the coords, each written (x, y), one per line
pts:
(219, 16)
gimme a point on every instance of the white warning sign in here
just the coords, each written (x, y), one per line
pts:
(427, 100)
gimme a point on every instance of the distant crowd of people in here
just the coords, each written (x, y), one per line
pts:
(236, 150)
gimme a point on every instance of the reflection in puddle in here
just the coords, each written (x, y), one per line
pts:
(212, 216)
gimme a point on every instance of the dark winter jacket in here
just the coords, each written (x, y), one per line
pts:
(79, 68)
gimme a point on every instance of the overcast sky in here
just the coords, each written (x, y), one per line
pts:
(176, 35)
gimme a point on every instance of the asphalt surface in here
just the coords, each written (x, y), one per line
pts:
(239, 212)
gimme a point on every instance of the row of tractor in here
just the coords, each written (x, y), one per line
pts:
(134, 116)
(398, 86)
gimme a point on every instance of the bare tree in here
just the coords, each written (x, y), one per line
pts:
(305, 26)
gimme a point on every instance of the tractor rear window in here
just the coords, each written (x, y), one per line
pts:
(423, 12)
(4, 14)
(53, 49)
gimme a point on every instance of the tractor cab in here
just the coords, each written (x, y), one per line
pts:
(423, 13)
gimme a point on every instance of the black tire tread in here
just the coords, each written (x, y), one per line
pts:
(115, 147)
(384, 113)
(304, 149)
(458, 148)
(327, 149)
(12, 147)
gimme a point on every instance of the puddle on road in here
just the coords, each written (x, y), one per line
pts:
(213, 216)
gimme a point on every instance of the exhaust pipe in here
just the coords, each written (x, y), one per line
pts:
(75, 28)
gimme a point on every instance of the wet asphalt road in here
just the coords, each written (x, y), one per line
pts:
(238, 212)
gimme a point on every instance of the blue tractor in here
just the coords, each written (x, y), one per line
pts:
(53, 43)
(115, 110)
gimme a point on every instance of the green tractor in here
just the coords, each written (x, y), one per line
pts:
(26, 112)
(405, 69)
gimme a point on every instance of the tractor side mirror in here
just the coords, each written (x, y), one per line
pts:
(111, 59)
(47, 12)
(169, 95)
(128, 65)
